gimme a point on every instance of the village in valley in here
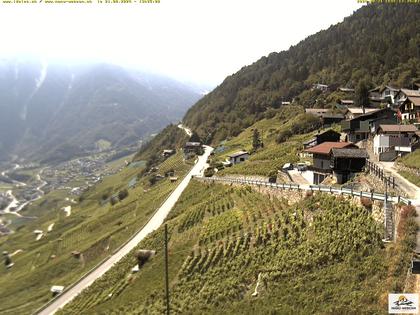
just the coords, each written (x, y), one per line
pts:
(25, 183)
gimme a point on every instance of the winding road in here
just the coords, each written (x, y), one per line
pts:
(15, 204)
(154, 222)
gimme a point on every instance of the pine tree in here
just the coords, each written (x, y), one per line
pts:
(362, 94)
(256, 140)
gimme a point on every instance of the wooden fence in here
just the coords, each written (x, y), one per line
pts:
(379, 172)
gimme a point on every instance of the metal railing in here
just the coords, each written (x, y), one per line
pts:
(322, 188)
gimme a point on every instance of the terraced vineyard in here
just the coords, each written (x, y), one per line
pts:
(77, 242)
(322, 254)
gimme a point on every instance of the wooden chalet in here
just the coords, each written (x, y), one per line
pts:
(393, 140)
(321, 166)
(238, 157)
(192, 147)
(409, 105)
(388, 93)
(328, 118)
(345, 162)
(326, 136)
(353, 112)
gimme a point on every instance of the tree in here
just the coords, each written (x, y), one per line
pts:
(256, 140)
(195, 138)
(362, 94)
(113, 200)
(122, 194)
(152, 180)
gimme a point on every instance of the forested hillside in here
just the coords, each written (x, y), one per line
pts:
(379, 44)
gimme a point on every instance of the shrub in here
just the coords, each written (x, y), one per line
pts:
(408, 211)
(113, 200)
(152, 180)
(366, 202)
(209, 172)
(122, 194)
(283, 135)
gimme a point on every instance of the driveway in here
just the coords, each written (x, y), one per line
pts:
(297, 177)
(412, 190)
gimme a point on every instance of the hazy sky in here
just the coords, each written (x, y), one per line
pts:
(194, 40)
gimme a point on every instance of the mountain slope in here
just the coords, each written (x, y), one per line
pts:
(378, 43)
(54, 112)
(322, 254)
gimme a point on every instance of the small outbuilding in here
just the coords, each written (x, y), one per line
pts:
(168, 153)
(57, 289)
(238, 157)
(347, 161)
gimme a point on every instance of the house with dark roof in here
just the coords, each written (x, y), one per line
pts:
(388, 93)
(326, 136)
(404, 93)
(168, 152)
(353, 112)
(393, 140)
(409, 108)
(345, 162)
(328, 118)
(319, 112)
(365, 126)
(346, 102)
(238, 157)
(321, 165)
(332, 118)
(375, 96)
(318, 86)
(346, 90)
(192, 149)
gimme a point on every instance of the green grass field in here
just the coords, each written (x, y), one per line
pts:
(274, 155)
(411, 177)
(95, 228)
(411, 160)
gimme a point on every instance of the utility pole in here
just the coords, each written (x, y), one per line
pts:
(385, 209)
(166, 270)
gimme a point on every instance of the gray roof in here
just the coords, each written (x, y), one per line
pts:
(339, 116)
(240, 153)
(398, 128)
(193, 144)
(349, 153)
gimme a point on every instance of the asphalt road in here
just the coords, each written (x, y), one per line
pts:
(154, 223)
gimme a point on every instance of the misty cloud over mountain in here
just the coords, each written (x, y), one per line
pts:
(53, 111)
